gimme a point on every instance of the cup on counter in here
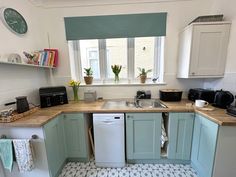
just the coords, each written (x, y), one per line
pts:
(201, 103)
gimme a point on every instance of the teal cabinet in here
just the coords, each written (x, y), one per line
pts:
(180, 132)
(143, 132)
(76, 136)
(204, 146)
(54, 142)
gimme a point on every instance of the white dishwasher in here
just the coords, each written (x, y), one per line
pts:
(109, 139)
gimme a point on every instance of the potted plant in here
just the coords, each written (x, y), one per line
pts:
(116, 70)
(143, 74)
(75, 86)
(88, 79)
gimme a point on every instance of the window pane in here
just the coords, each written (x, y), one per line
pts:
(90, 56)
(117, 55)
(144, 54)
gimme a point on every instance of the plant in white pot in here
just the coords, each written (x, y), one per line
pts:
(88, 79)
(143, 74)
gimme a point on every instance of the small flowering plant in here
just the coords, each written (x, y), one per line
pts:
(74, 83)
(75, 86)
(116, 70)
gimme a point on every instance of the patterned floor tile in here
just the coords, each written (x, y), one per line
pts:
(78, 169)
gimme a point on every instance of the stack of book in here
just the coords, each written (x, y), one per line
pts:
(46, 57)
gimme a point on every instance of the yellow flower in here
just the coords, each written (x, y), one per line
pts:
(73, 83)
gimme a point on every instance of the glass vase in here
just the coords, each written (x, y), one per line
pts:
(117, 78)
(75, 91)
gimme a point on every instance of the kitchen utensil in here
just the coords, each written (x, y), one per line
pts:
(170, 94)
(201, 103)
(22, 104)
(223, 99)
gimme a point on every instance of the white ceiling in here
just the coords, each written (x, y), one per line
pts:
(71, 3)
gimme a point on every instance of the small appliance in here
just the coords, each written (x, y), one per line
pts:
(22, 104)
(52, 96)
(223, 99)
(201, 94)
(170, 95)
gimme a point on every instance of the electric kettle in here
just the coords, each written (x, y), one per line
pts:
(223, 99)
(22, 104)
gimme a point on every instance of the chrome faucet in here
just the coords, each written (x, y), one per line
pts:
(136, 98)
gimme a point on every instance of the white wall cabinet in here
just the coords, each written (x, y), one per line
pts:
(203, 50)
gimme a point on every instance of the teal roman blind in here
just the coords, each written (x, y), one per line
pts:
(115, 26)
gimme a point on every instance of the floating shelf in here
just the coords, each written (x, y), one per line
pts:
(25, 64)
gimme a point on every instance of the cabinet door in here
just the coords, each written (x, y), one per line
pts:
(180, 133)
(204, 145)
(76, 146)
(143, 132)
(209, 50)
(53, 146)
(61, 135)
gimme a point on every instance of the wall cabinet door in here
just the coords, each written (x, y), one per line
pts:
(203, 50)
(204, 145)
(54, 141)
(180, 133)
(76, 144)
(143, 132)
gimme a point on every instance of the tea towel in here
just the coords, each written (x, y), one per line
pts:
(24, 154)
(6, 153)
(164, 137)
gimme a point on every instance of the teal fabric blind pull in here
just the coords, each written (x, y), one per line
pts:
(115, 26)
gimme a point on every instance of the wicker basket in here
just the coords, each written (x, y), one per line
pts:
(15, 116)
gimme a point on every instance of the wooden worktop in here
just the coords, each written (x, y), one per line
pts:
(42, 116)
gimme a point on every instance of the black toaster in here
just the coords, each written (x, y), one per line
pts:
(52, 96)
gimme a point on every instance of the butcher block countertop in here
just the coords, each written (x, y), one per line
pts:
(42, 116)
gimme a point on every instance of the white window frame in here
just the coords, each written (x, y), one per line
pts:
(76, 67)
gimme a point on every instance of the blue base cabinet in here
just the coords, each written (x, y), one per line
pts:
(204, 146)
(54, 142)
(143, 132)
(76, 136)
(66, 138)
(180, 131)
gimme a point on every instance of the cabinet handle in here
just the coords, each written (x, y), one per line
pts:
(193, 73)
(129, 117)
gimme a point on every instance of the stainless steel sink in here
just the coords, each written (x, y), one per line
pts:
(149, 103)
(140, 103)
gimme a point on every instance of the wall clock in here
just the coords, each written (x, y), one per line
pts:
(14, 21)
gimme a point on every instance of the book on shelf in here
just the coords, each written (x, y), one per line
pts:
(54, 60)
(46, 57)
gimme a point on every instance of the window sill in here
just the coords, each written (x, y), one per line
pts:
(121, 84)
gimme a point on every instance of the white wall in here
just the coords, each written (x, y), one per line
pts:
(20, 80)
(42, 20)
(180, 13)
(226, 7)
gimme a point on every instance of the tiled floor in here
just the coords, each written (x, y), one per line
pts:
(78, 169)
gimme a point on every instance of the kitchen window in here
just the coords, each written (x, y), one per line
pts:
(131, 53)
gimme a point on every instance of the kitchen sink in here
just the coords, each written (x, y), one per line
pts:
(146, 103)
(140, 103)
